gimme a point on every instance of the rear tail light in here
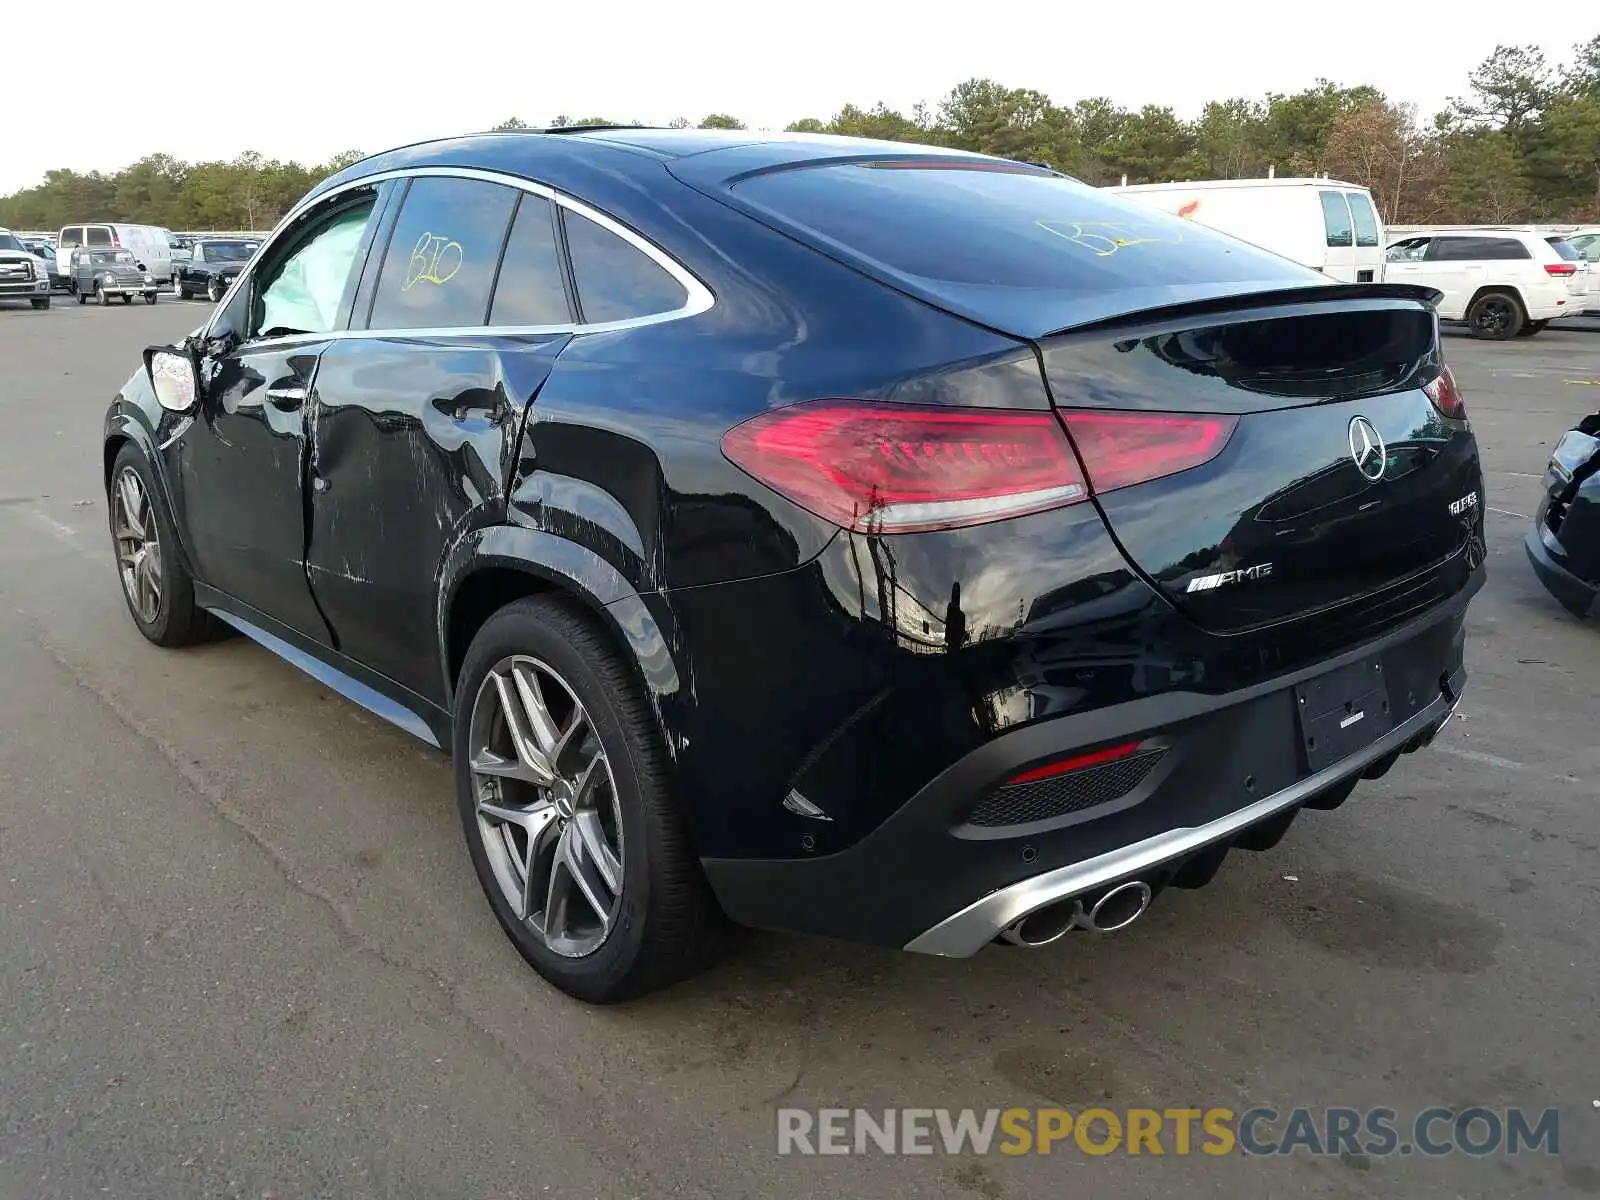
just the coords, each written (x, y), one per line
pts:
(877, 467)
(1120, 449)
(115, 239)
(1446, 396)
(1561, 269)
(889, 468)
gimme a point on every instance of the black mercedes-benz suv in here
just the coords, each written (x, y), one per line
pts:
(863, 539)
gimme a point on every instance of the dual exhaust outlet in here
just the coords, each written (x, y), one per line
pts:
(1115, 909)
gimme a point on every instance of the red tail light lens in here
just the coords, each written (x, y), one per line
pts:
(1123, 448)
(1446, 396)
(890, 468)
(1561, 269)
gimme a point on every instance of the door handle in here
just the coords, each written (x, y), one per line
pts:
(288, 398)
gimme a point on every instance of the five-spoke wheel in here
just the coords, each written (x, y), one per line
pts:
(133, 525)
(547, 805)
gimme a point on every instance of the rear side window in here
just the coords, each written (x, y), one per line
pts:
(616, 280)
(1478, 249)
(529, 290)
(1336, 219)
(99, 235)
(1364, 219)
(72, 236)
(986, 230)
(1559, 245)
(440, 265)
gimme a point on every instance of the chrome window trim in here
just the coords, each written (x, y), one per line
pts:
(698, 299)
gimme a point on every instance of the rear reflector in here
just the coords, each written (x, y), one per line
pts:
(1446, 396)
(1561, 268)
(1076, 763)
(876, 467)
(1120, 449)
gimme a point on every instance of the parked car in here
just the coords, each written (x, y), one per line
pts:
(23, 274)
(179, 248)
(1502, 282)
(213, 265)
(1586, 242)
(817, 533)
(1564, 546)
(1325, 224)
(44, 250)
(102, 274)
(148, 243)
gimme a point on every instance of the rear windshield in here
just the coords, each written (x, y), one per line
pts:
(995, 227)
(1560, 246)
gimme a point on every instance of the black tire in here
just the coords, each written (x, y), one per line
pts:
(1495, 316)
(150, 297)
(127, 297)
(178, 621)
(102, 295)
(668, 925)
(39, 301)
(1532, 327)
(82, 299)
(179, 292)
(213, 292)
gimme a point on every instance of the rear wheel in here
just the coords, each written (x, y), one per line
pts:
(82, 299)
(1495, 316)
(155, 583)
(1531, 328)
(566, 804)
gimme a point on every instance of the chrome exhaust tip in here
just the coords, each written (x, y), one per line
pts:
(1118, 908)
(1044, 925)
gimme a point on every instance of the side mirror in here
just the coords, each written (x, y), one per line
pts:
(174, 376)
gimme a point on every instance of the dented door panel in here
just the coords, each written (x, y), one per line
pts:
(412, 444)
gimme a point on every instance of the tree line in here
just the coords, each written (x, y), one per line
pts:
(1522, 144)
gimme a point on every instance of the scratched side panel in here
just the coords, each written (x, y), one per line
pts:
(412, 443)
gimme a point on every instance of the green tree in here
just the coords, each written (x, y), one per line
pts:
(721, 121)
(1510, 89)
(1485, 179)
(510, 123)
(806, 125)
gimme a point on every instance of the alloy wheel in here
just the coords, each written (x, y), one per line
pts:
(133, 525)
(1493, 316)
(547, 805)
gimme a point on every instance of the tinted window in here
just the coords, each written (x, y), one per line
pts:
(1336, 219)
(993, 233)
(1559, 245)
(1410, 250)
(304, 291)
(1366, 221)
(72, 237)
(1478, 249)
(529, 291)
(99, 235)
(439, 267)
(228, 251)
(9, 242)
(616, 280)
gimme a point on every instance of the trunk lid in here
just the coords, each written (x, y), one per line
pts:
(1340, 480)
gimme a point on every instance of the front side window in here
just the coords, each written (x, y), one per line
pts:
(1410, 250)
(99, 235)
(616, 280)
(530, 291)
(440, 265)
(1336, 218)
(302, 291)
(1364, 219)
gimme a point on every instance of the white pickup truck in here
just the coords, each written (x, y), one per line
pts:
(23, 275)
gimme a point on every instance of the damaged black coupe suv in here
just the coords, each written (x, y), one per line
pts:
(869, 540)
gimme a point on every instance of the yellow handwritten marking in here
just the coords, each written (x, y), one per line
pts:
(1584, 382)
(434, 259)
(1105, 238)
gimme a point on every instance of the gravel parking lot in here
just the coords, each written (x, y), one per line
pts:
(242, 951)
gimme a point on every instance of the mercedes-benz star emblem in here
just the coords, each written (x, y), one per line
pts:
(1367, 450)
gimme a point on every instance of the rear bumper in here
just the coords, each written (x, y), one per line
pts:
(1220, 769)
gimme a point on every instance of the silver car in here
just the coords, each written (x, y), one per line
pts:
(102, 274)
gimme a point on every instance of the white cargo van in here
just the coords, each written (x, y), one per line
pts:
(148, 243)
(1323, 224)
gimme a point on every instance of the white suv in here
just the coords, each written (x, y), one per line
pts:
(1502, 282)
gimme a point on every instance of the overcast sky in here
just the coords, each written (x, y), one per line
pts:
(304, 79)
